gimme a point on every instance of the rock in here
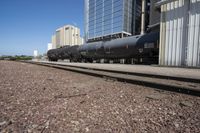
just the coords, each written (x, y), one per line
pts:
(155, 96)
(75, 122)
(87, 129)
(172, 113)
(50, 79)
(34, 126)
(3, 123)
(82, 102)
(187, 130)
(76, 129)
(176, 125)
(29, 131)
(10, 122)
(47, 124)
(186, 103)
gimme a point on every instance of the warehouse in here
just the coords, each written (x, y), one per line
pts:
(179, 33)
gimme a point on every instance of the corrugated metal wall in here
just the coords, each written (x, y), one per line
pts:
(180, 33)
(194, 34)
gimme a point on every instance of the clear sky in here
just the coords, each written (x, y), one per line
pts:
(27, 25)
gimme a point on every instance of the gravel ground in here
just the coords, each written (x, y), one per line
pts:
(42, 99)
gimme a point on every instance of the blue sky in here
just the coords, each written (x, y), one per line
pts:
(27, 25)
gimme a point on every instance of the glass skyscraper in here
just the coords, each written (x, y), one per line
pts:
(111, 18)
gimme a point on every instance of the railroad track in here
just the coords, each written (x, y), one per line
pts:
(175, 84)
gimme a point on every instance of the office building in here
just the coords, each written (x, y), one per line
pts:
(67, 35)
(107, 19)
(180, 33)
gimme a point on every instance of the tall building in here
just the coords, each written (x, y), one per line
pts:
(67, 35)
(111, 19)
(154, 16)
(49, 46)
(53, 41)
(154, 13)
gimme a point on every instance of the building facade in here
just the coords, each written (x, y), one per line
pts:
(67, 35)
(111, 19)
(49, 46)
(53, 41)
(180, 33)
(154, 17)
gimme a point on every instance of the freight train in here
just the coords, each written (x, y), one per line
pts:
(134, 49)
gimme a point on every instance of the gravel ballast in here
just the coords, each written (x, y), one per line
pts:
(43, 99)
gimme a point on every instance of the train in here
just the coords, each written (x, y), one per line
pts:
(142, 49)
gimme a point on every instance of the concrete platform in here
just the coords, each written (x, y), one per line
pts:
(185, 73)
(193, 73)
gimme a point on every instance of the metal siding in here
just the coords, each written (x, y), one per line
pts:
(171, 18)
(197, 32)
(190, 40)
(194, 33)
(179, 29)
(183, 33)
(198, 40)
(198, 62)
(162, 36)
(175, 33)
(167, 35)
(180, 33)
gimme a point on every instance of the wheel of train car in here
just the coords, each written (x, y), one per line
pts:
(90, 61)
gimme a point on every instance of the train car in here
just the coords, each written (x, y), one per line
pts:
(92, 51)
(74, 54)
(52, 56)
(59, 53)
(140, 49)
